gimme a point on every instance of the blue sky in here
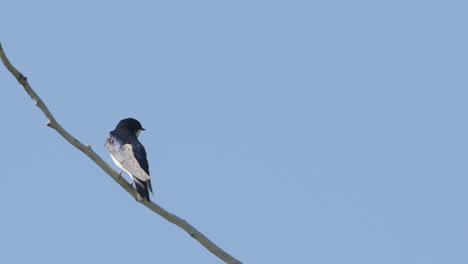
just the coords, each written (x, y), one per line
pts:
(285, 131)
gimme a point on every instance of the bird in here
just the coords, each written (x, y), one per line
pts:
(130, 155)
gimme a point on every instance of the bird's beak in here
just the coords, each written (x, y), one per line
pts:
(143, 129)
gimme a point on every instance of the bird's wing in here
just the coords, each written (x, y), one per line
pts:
(140, 155)
(125, 156)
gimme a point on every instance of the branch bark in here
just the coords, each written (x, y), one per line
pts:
(88, 151)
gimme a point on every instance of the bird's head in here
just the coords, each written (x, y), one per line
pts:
(131, 124)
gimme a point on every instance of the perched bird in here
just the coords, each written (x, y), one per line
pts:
(130, 155)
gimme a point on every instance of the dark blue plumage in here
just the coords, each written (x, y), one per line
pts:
(130, 155)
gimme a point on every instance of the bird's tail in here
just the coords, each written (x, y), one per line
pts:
(142, 190)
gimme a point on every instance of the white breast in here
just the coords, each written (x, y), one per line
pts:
(120, 166)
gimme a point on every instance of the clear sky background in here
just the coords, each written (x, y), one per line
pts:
(285, 131)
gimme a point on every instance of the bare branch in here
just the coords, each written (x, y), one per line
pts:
(86, 149)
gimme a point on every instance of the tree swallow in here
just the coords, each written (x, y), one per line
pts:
(130, 155)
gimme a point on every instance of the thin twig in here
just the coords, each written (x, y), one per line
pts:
(86, 149)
